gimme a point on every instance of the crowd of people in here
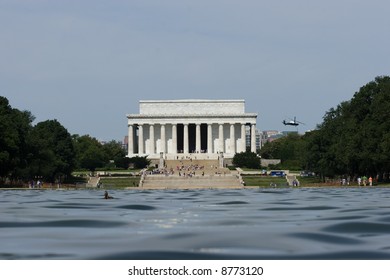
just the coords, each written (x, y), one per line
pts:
(361, 181)
(189, 170)
(38, 184)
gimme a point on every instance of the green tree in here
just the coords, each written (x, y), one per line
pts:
(247, 159)
(353, 139)
(289, 149)
(89, 153)
(123, 162)
(51, 151)
(14, 128)
(139, 162)
(114, 151)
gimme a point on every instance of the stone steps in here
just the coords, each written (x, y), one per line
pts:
(290, 180)
(209, 167)
(93, 182)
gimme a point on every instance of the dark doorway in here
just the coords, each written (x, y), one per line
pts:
(191, 137)
(203, 139)
(180, 137)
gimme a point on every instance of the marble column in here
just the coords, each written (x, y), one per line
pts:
(186, 142)
(141, 139)
(232, 139)
(209, 138)
(163, 139)
(253, 138)
(130, 140)
(174, 138)
(152, 143)
(197, 143)
(243, 138)
(221, 140)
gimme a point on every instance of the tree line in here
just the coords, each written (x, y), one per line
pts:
(48, 151)
(353, 139)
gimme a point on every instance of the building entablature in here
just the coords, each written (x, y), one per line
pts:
(191, 107)
(139, 119)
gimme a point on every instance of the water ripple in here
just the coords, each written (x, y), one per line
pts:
(323, 223)
(71, 206)
(45, 256)
(137, 207)
(234, 202)
(180, 255)
(300, 208)
(334, 239)
(335, 218)
(63, 223)
(359, 227)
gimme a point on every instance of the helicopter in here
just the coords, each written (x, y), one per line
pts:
(292, 122)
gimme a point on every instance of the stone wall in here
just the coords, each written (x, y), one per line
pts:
(267, 162)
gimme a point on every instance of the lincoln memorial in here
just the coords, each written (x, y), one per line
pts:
(181, 128)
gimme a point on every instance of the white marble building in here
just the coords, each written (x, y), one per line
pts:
(200, 128)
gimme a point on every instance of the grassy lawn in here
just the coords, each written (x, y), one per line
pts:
(267, 181)
(251, 169)
(305, 181)
(264, 181)
(119, 182)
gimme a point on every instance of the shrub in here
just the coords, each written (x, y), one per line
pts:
(247, 159)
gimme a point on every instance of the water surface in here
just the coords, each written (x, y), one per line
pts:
(305, 223)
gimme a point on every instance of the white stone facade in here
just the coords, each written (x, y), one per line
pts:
(181, 128)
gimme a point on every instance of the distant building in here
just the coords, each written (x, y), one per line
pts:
(125, 144)
(259, 138)
(271, 135)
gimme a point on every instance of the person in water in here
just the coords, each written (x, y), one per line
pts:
(107, 196)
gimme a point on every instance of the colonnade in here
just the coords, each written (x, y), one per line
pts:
(185, 138)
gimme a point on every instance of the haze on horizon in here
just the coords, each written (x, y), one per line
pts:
(88, 63)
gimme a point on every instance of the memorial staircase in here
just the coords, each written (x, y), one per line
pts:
(192, 173)
(93, 182)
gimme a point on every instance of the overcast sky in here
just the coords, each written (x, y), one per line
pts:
(88, 63)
